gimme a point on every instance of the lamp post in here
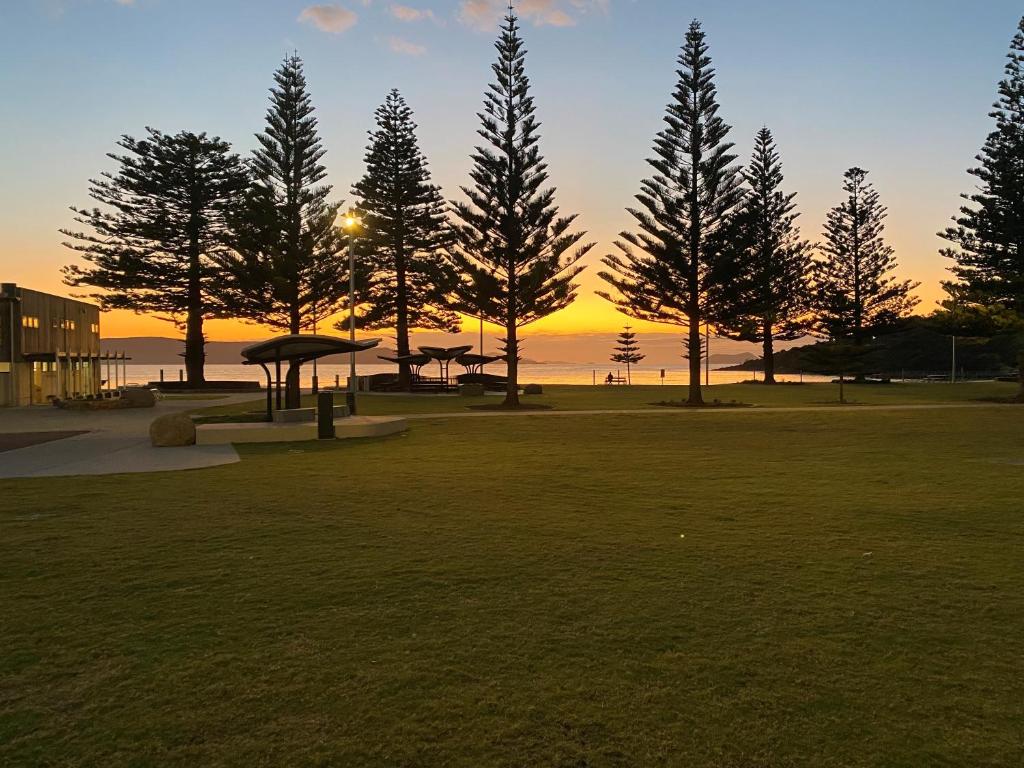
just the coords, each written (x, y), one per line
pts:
(352, 227)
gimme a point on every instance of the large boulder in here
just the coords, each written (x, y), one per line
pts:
(139, 397)
(172, 431)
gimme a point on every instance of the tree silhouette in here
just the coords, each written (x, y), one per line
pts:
(406, 230)
(285, 269)
(150, 247)
(855, 293)
(988, 234)
(763, 290)
(517, 259)
(627, 352)
(664, 272)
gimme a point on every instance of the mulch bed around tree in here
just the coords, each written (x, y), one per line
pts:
(12, 441)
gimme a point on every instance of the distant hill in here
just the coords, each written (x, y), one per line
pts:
(916, 350)
(157, 350)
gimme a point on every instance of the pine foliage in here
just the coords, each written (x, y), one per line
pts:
(517, 259)
(665, 269)
(855, 292)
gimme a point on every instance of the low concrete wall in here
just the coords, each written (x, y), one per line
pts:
(263, 432)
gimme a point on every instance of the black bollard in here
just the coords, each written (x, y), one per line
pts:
(350, 401)
(325, 416)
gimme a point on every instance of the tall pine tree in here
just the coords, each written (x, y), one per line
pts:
(516, 257)
(665, 270)
(856, 295)
(286, 268)
(763, 274)
(988, 236)
(406, 230)
(627, 352)
(150, 247)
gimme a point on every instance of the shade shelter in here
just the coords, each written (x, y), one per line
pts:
(475, 363)
(415, 362)
(444, 357)
(296, 348)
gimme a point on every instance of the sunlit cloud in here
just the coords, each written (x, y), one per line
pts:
(409, 14)
(485, 14)
(329, 17)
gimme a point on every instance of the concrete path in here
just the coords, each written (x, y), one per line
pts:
(114, 442)
(668, 411)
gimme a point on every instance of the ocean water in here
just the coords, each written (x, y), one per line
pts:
(538, 373)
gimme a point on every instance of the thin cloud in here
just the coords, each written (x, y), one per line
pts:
(329, 18)
(485, 14)
(409, 14)
(405, 47)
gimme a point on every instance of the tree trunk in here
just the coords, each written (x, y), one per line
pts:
(293, 388)
(402, 322)
(195, 349)
(769, 355)
(842, 393)
(512, 348)
(1020, 376)
(195, 342)
(695, 397)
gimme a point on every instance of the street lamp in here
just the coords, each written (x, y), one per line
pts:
(351, 225)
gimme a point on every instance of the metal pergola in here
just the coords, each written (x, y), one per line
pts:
(296, 348)
(444, 357)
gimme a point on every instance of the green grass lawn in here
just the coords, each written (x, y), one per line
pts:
(766, 589)
(576, 398)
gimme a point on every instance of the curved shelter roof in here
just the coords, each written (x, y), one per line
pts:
(420, 359)
(469, 359)
(445, 354)
(302, 348)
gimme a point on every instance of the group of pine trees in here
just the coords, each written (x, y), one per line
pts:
(718, 245)
(191, 231)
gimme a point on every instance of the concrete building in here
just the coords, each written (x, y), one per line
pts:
(49, 347)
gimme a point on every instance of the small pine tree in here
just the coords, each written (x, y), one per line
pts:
(627, 352)
(664, 272)
(836, 358)
(855, 293)
(286, 268)
(406, 230)
(151, 246)
(988, 235)
(516, 258)
(763, 274)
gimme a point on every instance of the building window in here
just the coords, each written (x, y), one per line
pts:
(95, 328)
(27, 321)
(67, 325)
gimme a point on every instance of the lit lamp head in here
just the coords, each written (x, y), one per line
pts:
(350, 222)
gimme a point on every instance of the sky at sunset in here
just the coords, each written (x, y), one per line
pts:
(900, 87)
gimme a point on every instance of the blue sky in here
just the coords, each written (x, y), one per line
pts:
(901, 88)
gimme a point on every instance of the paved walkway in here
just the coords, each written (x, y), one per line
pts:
(669, 411)
(113, 442)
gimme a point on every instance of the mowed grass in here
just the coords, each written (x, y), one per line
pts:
(758, 589)
(576, 398)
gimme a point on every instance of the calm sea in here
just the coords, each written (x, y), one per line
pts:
(539, 373)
